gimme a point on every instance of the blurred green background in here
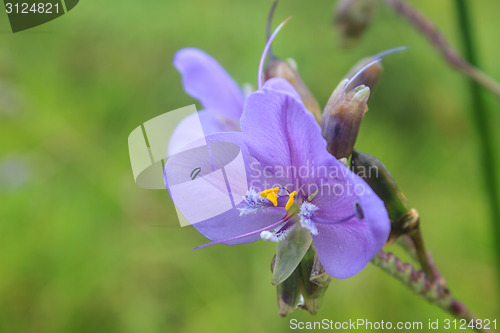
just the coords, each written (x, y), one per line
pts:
(83, 249)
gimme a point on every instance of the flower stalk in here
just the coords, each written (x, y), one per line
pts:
(439, 41)
(405, 230)
(434, 291)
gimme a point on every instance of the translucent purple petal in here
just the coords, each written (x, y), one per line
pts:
(189, 130)
(211, 198)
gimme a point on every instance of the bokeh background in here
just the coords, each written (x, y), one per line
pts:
(83, 249)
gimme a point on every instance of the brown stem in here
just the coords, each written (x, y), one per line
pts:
(434, 291)
(407, 244)
(414, 245)
(439, 41)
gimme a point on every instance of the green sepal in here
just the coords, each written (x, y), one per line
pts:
(381, 181)
(290, 252)
(288, 294)
(314, 281)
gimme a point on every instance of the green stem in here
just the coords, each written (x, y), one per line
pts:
(481, 122)
(416, 236)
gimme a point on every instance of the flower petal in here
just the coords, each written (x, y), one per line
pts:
(230, 224)
(282, 85)
(283, 136)
(211, 200)
(205, 79)
(197, 126)
(345, 248)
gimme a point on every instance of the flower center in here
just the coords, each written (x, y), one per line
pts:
(291, 199)
(272, 195)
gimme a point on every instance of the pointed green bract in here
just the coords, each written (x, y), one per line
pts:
(290, 252)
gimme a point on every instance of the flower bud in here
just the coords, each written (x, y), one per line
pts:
(288, 70)
(364, 73)
(381, 181)
(314, 281)
(305, 288)
(318, 274)
(288, 292)
(342, 117)
(403, 219)
(353, 17)
(368, 77)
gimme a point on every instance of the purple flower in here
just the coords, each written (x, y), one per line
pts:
(290, 180)
(204, 79)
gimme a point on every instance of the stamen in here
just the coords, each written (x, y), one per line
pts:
(278, 234)
(266, 49)
(274, 225)
(273, 197)
(254, 202)
(306, 213)
(291, 199)
(271, 194)
(266, 192)
(272, 237)
(308, 209)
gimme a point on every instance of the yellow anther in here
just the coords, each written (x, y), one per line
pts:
(291, 199)
(270, 190)
(273, 197)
